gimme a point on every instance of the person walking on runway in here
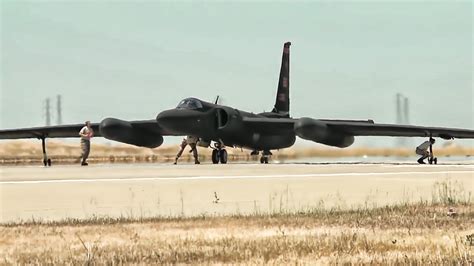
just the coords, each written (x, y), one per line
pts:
(86, 134)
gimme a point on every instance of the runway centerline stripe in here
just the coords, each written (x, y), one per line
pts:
(171, 178)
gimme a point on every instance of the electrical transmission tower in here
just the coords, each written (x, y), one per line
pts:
(402, 104)
(402, 109)
(47, 107)
(406, 119)
(59, 110)
(399, 108)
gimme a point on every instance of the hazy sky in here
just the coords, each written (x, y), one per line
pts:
(131, 59)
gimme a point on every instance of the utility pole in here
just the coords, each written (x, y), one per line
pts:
(402, 104)
(405, 111)
(399, 108)
(406, 106)
(59, 110)
(48, 111)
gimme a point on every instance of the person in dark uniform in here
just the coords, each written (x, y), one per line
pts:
(86, 134)
(191, 141)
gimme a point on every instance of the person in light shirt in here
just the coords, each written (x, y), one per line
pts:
(423, 150)
(191, 141)
(86, 134)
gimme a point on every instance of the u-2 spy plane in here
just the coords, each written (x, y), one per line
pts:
(227, 126)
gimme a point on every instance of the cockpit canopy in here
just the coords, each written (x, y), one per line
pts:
(190, 104)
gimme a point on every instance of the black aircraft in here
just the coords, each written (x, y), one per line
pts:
(227, 126)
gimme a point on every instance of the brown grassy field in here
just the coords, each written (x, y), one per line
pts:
(419, 233)
(29, 151)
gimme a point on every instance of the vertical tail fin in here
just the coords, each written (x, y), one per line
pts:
(282, 103)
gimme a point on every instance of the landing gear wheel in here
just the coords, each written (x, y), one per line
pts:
(46, 160)
(223, 156)
(253, 153)
(215, 156)
(265, 156)
(219, 154)
(432, 159)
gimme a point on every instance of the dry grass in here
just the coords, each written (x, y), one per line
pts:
(28, 151)
(416, 234)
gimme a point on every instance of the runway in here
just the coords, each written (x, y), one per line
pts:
(143, 190)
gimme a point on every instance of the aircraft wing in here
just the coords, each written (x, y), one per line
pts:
(269, 125)
(62, 131)
(72, 131)
(361, 128)
(373, 129)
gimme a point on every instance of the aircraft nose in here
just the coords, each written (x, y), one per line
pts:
(164, 117)
(177, 119)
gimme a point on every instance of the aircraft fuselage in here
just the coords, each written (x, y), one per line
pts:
(223, 123)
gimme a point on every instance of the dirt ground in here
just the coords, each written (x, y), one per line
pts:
(68, 152)
(418, 233)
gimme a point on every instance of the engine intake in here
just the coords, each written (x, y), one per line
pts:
(124, 131)
(318, 131)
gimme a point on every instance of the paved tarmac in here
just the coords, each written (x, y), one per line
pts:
(144, 190)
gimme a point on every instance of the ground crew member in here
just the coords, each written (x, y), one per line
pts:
(191, 141)
(423, 150)
(86, 134)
